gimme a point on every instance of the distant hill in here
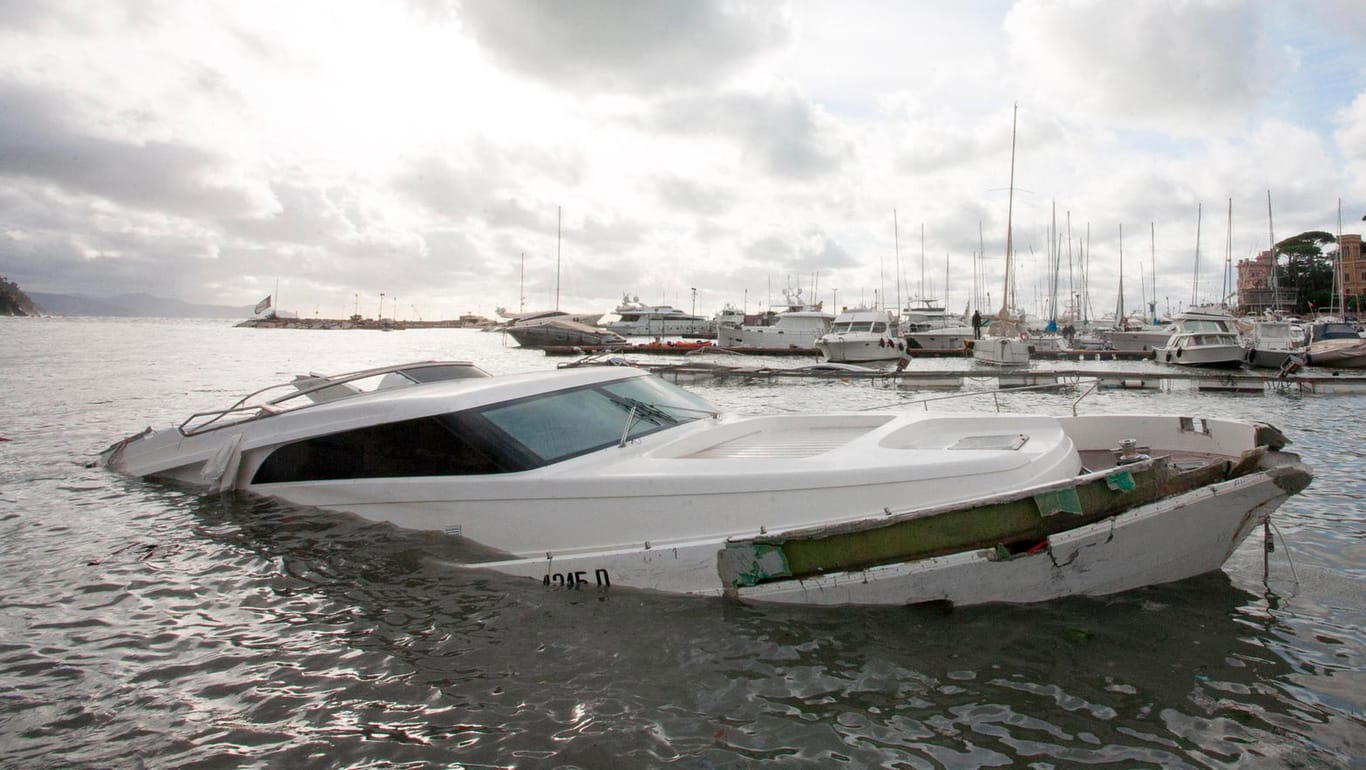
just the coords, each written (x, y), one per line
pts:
(13, 300)
(134, 305)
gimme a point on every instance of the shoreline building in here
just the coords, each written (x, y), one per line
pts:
(1255, 294)
(1353, 270)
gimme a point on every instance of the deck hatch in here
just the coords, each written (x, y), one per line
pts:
(1011, 441)
(784, 445)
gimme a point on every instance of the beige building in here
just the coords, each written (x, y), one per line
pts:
(1254, 279)
(1353, 269)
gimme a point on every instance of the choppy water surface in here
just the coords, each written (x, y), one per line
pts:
(142, 625)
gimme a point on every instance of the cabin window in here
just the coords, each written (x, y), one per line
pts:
(501, 438)
(432, 446)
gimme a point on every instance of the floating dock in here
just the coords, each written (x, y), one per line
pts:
(692, 348)
(1005, 379)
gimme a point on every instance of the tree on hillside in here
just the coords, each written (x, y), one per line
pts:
(13, 300)
(1307, 268)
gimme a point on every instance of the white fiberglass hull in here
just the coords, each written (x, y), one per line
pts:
(666, 327)
(830, 508)
(769, 338)
(947, 338)
(857, 348)
(1001, 351)
(1139, 340)
(1208, 356)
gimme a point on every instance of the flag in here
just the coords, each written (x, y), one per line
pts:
(263, 304)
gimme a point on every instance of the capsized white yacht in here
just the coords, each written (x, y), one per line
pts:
(609, 476)
(861, 334)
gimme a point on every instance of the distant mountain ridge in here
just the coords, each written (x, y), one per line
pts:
(133, 305)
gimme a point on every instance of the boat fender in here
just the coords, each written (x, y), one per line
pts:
(1179, 351)
(901, 346)
(882, 343)
(1249, 355)
(1169, 356)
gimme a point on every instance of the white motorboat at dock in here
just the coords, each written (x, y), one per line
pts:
(609, 476)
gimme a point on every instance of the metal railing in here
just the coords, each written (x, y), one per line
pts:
(250, 408)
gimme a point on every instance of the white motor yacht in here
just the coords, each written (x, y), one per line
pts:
(797, 326)
(609, 476)
(636, 319)
(861, 335)
(1204, 337)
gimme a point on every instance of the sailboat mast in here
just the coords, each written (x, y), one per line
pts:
(1195, 284)
(922, 260)
(1338, 275)
(1271, 232)
(1228, 254)
(1010, 213)
(558, 222)
(896, 244)
(1152, 245)
(1119, 309)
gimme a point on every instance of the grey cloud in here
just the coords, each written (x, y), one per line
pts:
(1176, 65)
(39, 140)
(696, 197)
(78, 17)
(815, 251)
(480, 186)
(625, 44)
(786, 135)
(436, 184)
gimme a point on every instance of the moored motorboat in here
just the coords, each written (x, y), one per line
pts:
(1336, 345)
(861, 334)
(797, 326)
(1274, 344)
(636, 319)
(1203, 337)
(556, 332)
(608, 476)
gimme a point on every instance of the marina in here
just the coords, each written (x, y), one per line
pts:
(140, 601)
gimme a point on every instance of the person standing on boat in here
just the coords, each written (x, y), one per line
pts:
(976, 325)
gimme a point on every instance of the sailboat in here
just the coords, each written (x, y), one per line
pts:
(1006, 343)
(557, 328)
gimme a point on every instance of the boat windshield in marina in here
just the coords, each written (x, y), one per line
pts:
(504, 437)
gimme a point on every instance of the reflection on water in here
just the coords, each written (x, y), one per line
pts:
(144, 623)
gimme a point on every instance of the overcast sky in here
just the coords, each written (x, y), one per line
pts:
(431, 149)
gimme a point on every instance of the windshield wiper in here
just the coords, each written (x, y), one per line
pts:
(653, 412)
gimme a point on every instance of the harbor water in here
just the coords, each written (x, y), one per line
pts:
(144, 625)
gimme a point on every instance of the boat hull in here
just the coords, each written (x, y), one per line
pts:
(1001, 351)
(858, 348)
(1163, 542)
(866, 507)
(1338, 354)
(1169, 539)
(1209, 357)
